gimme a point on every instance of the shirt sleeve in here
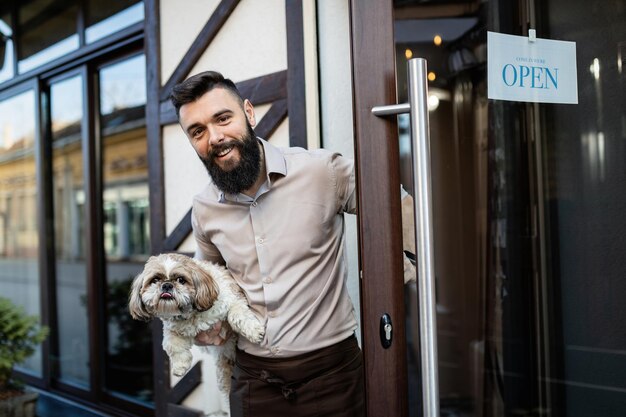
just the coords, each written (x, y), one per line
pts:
(343, 172)
(205, 249)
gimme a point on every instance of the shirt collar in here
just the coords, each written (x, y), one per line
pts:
(274, 164)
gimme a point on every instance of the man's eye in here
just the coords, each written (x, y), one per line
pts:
(223, 119)
(196, 133)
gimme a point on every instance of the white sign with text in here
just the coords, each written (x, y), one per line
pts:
(539, 71)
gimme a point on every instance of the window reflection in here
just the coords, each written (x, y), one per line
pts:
(105, 17)
(126, 223)
(19, 243)
(69, 199)
(6, 48)
(47, 31)
(583, 153)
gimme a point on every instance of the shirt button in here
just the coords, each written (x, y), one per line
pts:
(274, 350)
(254, 204)
(267, 280)
(272, 314)
(260, 240)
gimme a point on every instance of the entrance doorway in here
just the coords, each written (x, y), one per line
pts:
(526, 214)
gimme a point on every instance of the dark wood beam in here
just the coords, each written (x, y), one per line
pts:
(272, 119)
(206, 36)
(264, 89)
(174, 410)
(186, 385)
(160, 362)
(179, 234)
(295, 74)
(45, 220)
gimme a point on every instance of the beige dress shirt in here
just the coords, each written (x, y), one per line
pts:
(286, 248)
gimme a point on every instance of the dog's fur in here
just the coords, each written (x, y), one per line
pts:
(190, 296)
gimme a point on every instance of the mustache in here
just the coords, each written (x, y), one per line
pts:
(220, 147)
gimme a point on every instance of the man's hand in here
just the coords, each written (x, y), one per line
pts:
(217, 336)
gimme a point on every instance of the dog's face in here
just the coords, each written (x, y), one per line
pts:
(171, 285)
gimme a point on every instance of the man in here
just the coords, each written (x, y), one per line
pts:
(274, 217)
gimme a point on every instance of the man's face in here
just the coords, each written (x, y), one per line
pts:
(221, 133)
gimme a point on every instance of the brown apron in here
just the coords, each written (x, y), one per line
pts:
(324, 383)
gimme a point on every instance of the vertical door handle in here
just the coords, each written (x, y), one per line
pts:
(417, 107)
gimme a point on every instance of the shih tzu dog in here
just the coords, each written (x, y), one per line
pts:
(190, 296)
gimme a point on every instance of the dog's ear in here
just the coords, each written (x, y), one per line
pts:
(135, 304)
(206, 288)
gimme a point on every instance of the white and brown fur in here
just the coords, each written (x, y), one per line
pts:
(190, 296)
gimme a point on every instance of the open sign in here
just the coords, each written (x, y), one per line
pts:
(531, 70)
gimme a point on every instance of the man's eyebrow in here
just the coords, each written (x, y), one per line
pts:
(193, 126)
(214, 116)
(221, 112)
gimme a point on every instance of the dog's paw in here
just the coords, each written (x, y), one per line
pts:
(179, 370)
(255, 332)
(180, 364)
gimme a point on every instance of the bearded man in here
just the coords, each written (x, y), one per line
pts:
(274, 218)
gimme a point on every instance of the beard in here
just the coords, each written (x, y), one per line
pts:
(240, 176)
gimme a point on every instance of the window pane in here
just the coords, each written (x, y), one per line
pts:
(69, 218)
(6, 48)
(47, 31)
(584, 153)
(105, 17)
(126, 224)
(19, 243)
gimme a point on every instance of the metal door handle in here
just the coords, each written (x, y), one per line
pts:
(417, 107)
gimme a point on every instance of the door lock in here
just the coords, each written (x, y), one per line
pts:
(386, 330)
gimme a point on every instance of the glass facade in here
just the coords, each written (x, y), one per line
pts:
(106, 17)
(48, 134)
(19, 240)
(48, 30)
(6, 47)
(126, 224)
(66, 112)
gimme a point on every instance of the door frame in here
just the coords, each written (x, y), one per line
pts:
(379, 220)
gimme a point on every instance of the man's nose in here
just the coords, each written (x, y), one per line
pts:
(215, 135)
(167, 286)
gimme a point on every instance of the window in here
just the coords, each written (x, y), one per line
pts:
(128, 369)
(37, 32)
(19, 242)
(66, 111)
(47, 31)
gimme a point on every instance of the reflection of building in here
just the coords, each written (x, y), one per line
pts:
(95, 175)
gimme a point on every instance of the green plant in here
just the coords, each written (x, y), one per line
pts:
(20, 334)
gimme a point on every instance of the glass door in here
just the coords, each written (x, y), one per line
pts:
(527, 215)
(527, 202)
(580, 176)
(452, 38)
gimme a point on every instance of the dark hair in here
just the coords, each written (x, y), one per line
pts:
(197, 85)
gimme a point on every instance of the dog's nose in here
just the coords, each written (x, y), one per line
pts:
(167, 286)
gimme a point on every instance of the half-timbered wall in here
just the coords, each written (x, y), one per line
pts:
(292, 59)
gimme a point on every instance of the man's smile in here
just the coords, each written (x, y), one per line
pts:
(224, 151)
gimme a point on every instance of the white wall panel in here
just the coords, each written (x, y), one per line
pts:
(181, 22)
(252, 42)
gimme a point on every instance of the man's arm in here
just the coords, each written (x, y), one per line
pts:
(206, 251)
(345, 186)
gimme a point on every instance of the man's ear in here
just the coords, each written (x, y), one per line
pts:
(248, 108)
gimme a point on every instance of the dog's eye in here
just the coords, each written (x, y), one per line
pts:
(181, 279)
(154, 280)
